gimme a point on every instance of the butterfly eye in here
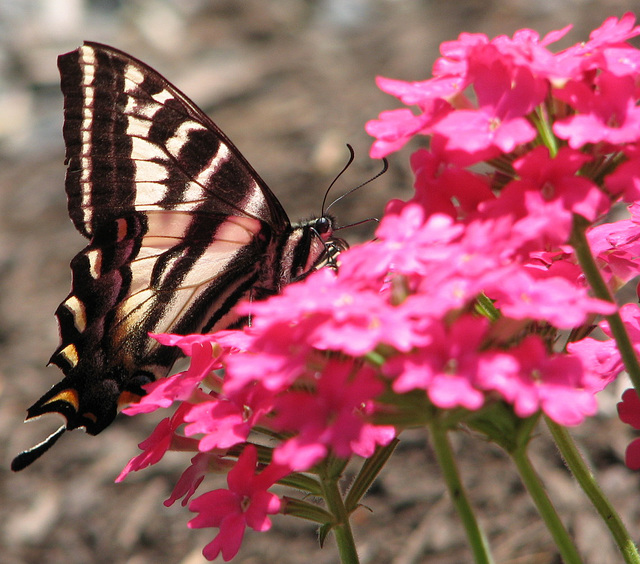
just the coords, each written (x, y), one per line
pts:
(323, 225)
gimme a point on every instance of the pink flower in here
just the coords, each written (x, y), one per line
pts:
(441, 188)
(499, 124)
(279, 354)
(225, 421)
(158, 443)
(525, 49)
(629, 412)
(201, 465)
(360, 321)
(617, 248)
(613, 31)
(608, 113)
(625, 179)
(181, 386)
(185, 342)
(629, 408)
(309, 310)
(246, 503)
(446, 368)
(424, 93)
(393, 130)
(557, 178)
(602, 51)
(630, 314)
(311, 295)
(601, 362)
(410, 240)
(536, 222)
(332, 416)
(533, 295)
(466, 295)
(531, 379)
(455, 55)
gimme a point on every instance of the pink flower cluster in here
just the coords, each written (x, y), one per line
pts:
(325, 365)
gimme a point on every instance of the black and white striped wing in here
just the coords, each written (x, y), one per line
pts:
(180, 228)
(172, 208)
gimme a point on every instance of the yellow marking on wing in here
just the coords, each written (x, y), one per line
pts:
(70, 354)
(77, 310)
(95, 263)
(69, 396)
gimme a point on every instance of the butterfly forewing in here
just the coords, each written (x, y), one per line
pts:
(135, 142)
(180, 228)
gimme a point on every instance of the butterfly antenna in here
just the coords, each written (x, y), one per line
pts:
(352, 155)
(361, 222)
(385, 167)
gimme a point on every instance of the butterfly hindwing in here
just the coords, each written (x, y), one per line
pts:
(180, 228)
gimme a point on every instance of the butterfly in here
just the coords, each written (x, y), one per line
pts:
(180, 229)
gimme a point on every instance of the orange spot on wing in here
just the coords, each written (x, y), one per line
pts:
(127, 398)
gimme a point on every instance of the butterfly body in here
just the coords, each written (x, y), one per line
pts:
(180, 228)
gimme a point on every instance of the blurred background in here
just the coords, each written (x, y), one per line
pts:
(290, 82)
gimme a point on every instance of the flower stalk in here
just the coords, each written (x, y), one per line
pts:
(545, 507)
(444, 454)
(585, 478)
(601, 290)
(341, 526)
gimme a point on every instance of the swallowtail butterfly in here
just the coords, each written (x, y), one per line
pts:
(180, 228)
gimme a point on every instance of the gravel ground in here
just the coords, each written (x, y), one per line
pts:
(290, 82)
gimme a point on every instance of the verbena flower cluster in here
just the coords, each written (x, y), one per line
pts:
(471, 293)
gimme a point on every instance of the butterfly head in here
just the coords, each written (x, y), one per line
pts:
(313, 246)
(333, 246)
(323, 226)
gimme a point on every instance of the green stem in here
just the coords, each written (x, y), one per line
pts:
(444, 454)
(342, 526)
(600, 289)
(585, 478)
(543, 126)
(545, 507)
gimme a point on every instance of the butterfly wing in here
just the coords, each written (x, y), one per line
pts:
(134, 141)
(180, 228)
